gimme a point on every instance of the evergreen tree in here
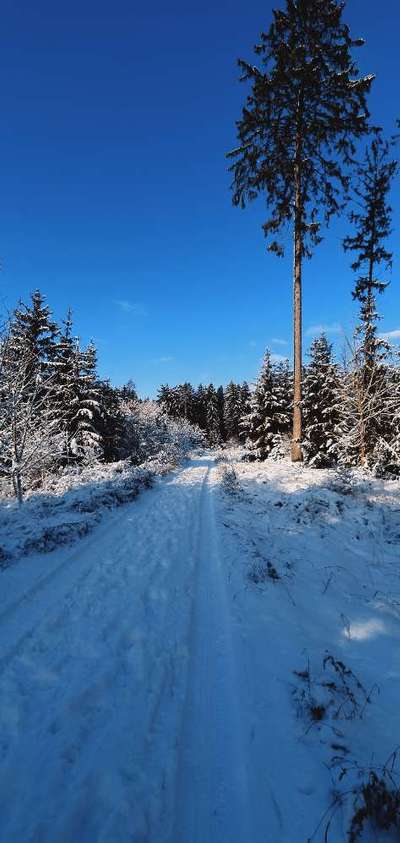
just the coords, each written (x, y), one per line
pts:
(372, 226)
(297, 133)
(220, 403)
(33, 335)
(213, 421)
(128, 391)
(256, 425)
(268, 419)
(86, 441)
(111, 421)
(283, 394)
(244, 404)
(30, 435)
(166, 399)
(320, 406)
(66, 383)
(385, 458)
(200, 404)
(233, 410)
(186, 401)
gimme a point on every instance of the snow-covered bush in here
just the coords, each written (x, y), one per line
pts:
(149, 432)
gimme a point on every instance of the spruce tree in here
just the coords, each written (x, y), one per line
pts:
(297, 136)
(283, 393)
(33, 334)
(111, 421)
(221, 419)
(257, 423)
(200, 407)
(320, 406)
(244, 404)
(371, 220)
(186, 400)
(213, 421)
(233, 410)
(86, 440)
(128, 391)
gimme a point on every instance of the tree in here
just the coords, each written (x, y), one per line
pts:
(213, 419)
(320, 405)
(111, 421)
(86, 440)
(31, 436)
(283, 395)
(297, 137)
(365, 404)
(233, 410)
(33, 329)
(221, 419)
(244, 403)
(200, 405)
(255, 425)
(372, 226)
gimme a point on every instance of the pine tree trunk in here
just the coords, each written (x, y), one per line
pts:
(297, 455)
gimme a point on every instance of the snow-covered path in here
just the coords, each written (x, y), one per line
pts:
(119, 716)
(212, 792)
(152, 678)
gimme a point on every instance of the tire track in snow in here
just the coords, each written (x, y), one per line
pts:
(212, 794)
(94, 677)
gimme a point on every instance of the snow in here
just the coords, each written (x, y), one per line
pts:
(147, 676)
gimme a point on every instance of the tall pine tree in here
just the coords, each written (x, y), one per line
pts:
(297, 132)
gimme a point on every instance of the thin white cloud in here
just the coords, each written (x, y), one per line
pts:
(166, 359)
(278, 358)
(135, 308)
(277, 341)
(391, 335)
(252, 344)
(333, 328)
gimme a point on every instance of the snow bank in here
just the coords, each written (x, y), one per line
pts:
(73, 503)
(312, 561)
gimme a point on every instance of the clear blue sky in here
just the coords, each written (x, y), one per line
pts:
(114, 199)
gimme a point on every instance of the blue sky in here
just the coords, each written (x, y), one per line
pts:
(115, 193)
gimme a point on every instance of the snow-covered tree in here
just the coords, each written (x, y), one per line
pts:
(200, 407)
(320, 405)
(31, 435)
(372, 225)
(111, 421)
(365, 405)
(213, 419)
(221, 415)
(233, 410)
(283, 394)
(33, 329)
(86, 440)
(244, 403)
(267, 419)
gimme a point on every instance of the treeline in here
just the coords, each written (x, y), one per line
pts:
(217, 411)
(351, 410)
(55, 411)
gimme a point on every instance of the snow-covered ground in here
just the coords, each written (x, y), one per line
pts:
(148, 674)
